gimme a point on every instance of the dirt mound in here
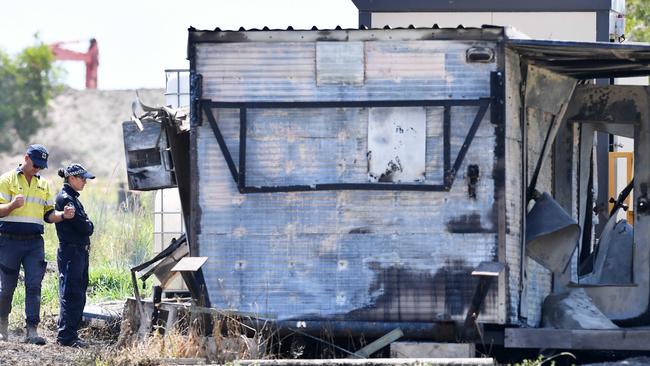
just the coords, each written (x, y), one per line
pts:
(85, 126)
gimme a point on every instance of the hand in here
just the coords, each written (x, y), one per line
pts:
(18, 201)
(68, 212)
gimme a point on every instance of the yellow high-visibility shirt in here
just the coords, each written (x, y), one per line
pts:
(39, 202)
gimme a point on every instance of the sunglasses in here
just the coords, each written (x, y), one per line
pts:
(36, 166)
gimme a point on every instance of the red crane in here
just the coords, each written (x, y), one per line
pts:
(90, 58)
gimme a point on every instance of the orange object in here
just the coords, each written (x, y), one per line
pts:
(90, 58)
(627, 158)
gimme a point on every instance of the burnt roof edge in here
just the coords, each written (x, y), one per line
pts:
(485, 33)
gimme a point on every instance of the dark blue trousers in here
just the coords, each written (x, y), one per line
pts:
(73, 283)
(31, 255)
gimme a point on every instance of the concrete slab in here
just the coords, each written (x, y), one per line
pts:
(108, 311)
(579, 339)
(371, 362)
(431, 350)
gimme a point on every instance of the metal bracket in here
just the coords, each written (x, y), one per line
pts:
(190, 269)
(378, 344)
(486, 272)
(472, 180)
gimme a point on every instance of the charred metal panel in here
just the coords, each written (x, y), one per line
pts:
(396, 144)
(179, 143)
(528, 282)
(353, 255)
(565, 162)
(538, 124)
(148, 159)
(614, 104)
(544, 114)
(614, 109)
(585, 158)
(584, 60)
(514, 184)
(538, 84)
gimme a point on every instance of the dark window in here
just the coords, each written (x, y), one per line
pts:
(143, 158)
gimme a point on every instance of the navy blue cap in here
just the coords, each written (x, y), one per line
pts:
(78, 170)
(38, 153)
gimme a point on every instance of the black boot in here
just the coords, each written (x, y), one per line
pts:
(33, 337)
(4, 328)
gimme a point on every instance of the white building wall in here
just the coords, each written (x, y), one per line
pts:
(570, 26)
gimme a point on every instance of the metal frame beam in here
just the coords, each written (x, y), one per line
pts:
(239, 172)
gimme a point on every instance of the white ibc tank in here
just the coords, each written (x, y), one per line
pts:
(177, 90)
(168, 218)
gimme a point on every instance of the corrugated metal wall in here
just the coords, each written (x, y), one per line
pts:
(356, 255)
(402, 70)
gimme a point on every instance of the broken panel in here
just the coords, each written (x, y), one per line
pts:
(396, 144)
(148, 159)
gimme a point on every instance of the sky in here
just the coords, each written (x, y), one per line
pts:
(139, 39)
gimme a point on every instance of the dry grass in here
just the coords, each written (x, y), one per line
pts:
(185, 343)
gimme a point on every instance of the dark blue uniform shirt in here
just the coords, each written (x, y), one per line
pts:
(75, 231)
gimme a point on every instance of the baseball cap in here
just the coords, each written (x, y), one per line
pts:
(77, 169)
(38, 153)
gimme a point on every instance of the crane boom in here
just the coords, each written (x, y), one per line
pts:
(90, 58)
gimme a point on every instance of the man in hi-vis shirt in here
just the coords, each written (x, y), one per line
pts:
(26, 202)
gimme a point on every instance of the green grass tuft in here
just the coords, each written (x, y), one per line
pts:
(109, 283)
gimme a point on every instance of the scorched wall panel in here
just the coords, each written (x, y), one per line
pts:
(342, 254)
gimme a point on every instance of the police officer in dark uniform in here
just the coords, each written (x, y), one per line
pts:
(72, 257)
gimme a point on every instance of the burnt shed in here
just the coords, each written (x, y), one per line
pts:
(362, 176)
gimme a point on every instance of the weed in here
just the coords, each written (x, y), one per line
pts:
(231, 340)
(109, 283)
(541, 360)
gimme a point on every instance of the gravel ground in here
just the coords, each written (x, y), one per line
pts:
(15, 352)
(98, 334)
